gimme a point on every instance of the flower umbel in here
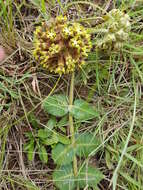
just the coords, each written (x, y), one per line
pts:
(60, 46)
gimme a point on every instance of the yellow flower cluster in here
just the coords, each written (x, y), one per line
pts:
(60, 46)
(116, 30)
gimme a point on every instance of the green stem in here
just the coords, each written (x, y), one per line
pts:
(72, 133)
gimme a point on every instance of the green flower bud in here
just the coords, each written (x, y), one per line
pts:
(118, 26)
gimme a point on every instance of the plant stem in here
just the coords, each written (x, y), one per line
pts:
(72, 133)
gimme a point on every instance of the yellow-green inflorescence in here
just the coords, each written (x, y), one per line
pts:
(60, 46)
(116, 29)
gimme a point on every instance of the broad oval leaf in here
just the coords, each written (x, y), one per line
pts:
(62, 154)
(86, 143)
(63, 178)
(82, 110)
(89, 176)
(56, 105)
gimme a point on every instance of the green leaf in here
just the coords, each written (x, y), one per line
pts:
(43, 154)
(51, 140)
(51, 123)
(63, 139)
(64, 178)
(89, 176)
(62, 154)
(29, 135)
(43, 134)
(56, 105)
(28, 144)
(33, 120)
(82, 110)
(86, 143)
(30, 148)
(49, 127)
(63, 122)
